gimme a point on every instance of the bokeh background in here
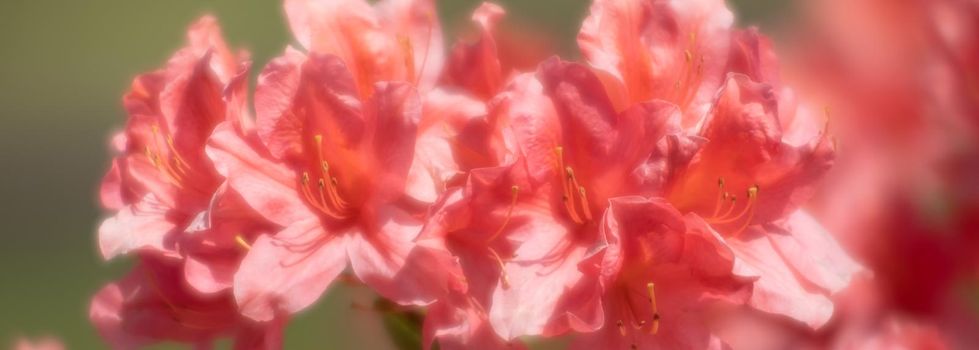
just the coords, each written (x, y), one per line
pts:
(64, 66)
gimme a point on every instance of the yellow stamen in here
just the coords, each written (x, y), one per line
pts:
(621, 326)
(504, 279)
(652, 303)
(241, 242)
(721, 196)
(515, 190)
(409, 56)
(748, 208)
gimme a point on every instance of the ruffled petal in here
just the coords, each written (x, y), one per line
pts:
(389, 261)
(267, 186)
(285, 273)
(778, 289)
(143, 225)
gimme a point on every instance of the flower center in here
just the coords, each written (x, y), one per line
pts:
(724, 208)
(573, 194)
(164, 156)
(326, 198)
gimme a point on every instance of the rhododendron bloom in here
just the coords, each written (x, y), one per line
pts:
(152, 305)
(536, 219)
(334, 176)
(672, 50)
(169, 196)
(632, 200)
(161, 179)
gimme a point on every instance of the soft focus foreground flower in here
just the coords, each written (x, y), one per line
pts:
(905, 110)
(152, 304)
(742, 158)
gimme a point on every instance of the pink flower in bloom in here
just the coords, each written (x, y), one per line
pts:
(329, 160)
(152, 304)
(527, 233)
(740, 136)
(166, 192)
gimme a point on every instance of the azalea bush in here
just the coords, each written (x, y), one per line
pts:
(650, 194)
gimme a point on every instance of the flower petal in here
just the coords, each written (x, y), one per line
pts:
(143, 225)
(391, 263)
(395, 111)
(813, 253)
(778, 289)
(285, 273)
(267, 186)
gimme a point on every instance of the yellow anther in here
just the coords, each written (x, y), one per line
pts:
(688, 56)
(241, 242)
(652, 303)
(621, 326)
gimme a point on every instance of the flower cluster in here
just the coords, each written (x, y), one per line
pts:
(627, 200)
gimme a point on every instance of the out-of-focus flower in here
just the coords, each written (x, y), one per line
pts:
(42, 343)
(901, 78)
(153, 304)
(742, 158)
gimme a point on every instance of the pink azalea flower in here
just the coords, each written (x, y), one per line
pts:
(168, 196)
(329, 168)
(673, 50)
(527, 234)
(454, 131)
(742, 157)
(152, 304)
(395, 40)
(901, 196)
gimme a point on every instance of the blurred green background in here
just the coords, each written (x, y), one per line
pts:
(64, 66)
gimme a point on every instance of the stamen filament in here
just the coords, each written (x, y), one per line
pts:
(748, 208)
(652, 303)
(504, 279)
(513, 202)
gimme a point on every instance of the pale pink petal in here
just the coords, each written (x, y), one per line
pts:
(143, 225)
(777, 289)
(389, 261)
(813, 253)
(210, 276)
(285, 273)
(268, 187)
(110, 192)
